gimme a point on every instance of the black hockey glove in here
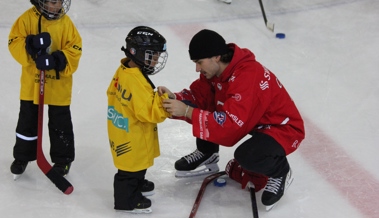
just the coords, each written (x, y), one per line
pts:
(60, 60)
(37, 44)
(45, 62)
(29, 46)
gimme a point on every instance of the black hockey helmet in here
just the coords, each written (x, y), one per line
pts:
(52, 9)
(147, 48)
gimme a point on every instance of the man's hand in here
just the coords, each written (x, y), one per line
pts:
(177, 108)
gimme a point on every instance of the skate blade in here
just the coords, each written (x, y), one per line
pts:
(137, 211)
(16, 176)
(268, 208)
(150, 193)
(204, 170)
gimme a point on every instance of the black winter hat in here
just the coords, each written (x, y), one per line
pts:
(206, 44)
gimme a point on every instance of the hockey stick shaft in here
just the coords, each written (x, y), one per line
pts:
(60, 182)
(269, 26)
(206, 181)
(263, 12)
(253, 200)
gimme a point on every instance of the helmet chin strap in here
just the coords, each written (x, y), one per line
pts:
(39, 23)
(148, 79)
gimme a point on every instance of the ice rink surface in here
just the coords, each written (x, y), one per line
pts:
(328, 62)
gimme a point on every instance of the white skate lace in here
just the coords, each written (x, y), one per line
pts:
(273, 184)
(196, 155)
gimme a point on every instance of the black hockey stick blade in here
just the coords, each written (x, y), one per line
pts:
(253, 200)
(60, 182)
(206, 181)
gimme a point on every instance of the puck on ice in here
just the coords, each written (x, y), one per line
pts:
(219, 182)
(280, 35)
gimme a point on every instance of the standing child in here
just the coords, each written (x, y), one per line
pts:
(45, 38)
(134, 109)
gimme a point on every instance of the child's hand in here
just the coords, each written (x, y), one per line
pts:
(35, 44)
(45, 62)
(162, 90)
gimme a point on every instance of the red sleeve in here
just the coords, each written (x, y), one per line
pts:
(200, 94)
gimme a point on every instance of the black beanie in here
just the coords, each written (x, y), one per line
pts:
(206, 44)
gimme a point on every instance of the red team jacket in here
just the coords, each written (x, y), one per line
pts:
(247, 97)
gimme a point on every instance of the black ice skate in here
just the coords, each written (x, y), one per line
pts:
(147, 188)
(62, 169)
(18, 167)
(275, 188)
(144, 206)
(196, 164)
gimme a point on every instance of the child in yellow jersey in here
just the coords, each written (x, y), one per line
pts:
(134, 109)
(45, 38)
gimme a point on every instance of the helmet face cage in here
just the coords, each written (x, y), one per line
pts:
(147, 48)
(54, 9)
(154, 61)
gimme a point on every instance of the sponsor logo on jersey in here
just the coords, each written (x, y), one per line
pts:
(264, 85)
(295, 144)
(219, 86)
(235, 119)
(237, 97)
(231, 79)
(220, 117)
(117, 119)
(120, 149)
(124, 93)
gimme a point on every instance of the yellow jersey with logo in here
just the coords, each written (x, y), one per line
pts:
(134, 109)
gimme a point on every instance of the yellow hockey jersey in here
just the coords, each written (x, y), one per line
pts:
(134, 109)
(64, 37)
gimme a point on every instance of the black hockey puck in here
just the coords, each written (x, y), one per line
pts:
(219, 182)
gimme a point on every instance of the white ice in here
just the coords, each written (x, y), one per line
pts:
(328, 62)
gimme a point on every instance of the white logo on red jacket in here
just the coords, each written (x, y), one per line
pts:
(264, 85)
(237, 97)
(219, 86)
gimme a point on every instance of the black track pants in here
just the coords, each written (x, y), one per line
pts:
(61, 134)
(206, 146)
(262, 154)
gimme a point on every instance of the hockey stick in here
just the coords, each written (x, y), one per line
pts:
(269, 25)
(253, 200)
(60, 182)
(206, 181)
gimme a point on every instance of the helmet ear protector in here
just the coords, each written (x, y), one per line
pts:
(147, 48)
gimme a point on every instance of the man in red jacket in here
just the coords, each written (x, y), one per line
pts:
(236, 96)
